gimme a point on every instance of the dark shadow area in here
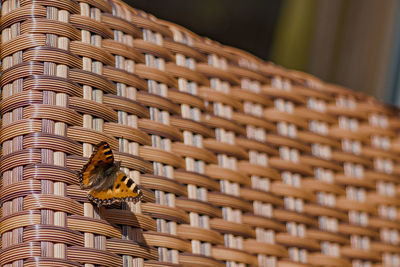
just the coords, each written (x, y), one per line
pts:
(248, 25)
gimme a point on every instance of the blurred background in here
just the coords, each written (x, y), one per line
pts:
(354, 43)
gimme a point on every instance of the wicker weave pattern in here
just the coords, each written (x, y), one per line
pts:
(242, 163)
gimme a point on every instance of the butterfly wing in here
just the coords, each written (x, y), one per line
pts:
(102, 155)
(124, 189)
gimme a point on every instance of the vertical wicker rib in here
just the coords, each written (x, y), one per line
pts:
(93, 61)
(380, 150)
(353, 179)
(167, 215)
(291, 151)
(192, 150)
(130, 137)
(220, 105)
(52, 129)
(246, 68)
(322, 182)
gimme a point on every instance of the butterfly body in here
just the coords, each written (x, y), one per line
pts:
(106, 182)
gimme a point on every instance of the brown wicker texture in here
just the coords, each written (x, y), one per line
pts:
(257, 168)
(241, 162)
(322, 182)
(221, 105)
(380, 151)
(354, 176)
(296, 197)
(191, 148)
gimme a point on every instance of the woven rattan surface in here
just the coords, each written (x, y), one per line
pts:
(240, 162)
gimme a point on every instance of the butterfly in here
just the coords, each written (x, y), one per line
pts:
(107, 183)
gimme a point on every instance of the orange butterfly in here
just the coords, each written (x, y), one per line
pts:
(106, 182)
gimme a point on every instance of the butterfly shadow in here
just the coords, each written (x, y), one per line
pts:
(123, 220)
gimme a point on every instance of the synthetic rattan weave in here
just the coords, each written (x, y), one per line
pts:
(241, 162)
